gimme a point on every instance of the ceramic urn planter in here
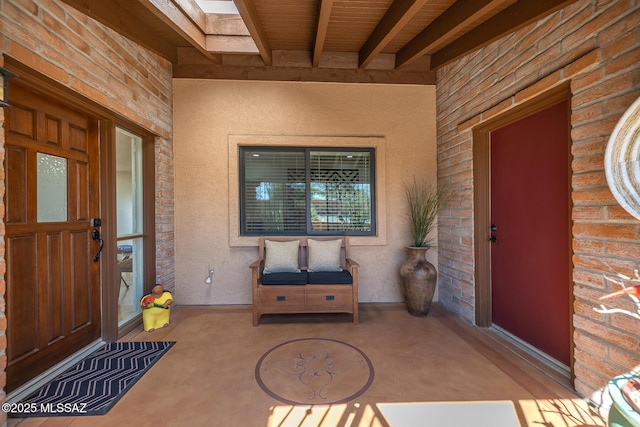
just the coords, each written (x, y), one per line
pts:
(419, 278)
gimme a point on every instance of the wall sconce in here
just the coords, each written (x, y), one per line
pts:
(4, 77)
(209, 278)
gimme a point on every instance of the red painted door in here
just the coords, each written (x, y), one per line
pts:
(530, 257)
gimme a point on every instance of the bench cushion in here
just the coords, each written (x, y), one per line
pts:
(285, 278)
(330, 278)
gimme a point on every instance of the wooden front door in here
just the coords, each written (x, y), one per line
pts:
(52, 193)
(531, 254)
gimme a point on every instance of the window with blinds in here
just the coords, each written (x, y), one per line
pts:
(296, 191)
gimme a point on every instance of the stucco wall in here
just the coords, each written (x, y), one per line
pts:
(210, 115)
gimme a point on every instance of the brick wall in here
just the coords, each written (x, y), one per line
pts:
(594, 45)
(103, 66)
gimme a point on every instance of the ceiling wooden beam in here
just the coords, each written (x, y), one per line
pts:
(321, 32)
(174, 18)
(455, 18)
(123, 19)
(191, 9)
(252, 21)
(191, 55)
(225, 24)
(509, 20)
(231, 44)
(308, 74)
(398, 15)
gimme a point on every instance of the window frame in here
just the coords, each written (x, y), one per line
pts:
(242, 149)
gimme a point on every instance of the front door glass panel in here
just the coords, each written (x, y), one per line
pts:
(130, 238)
(52, 188)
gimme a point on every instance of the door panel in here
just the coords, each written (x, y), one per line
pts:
(53, 285)
(82, 190)
(21, 251)
(54, 281)
(530, 259)
(16, 174)
(81, 294)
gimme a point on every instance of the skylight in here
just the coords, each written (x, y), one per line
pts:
(218, 6)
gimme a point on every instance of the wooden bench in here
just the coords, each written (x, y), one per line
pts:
(304, 291)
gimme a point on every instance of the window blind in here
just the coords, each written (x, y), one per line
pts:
(305, 191)
(340, 191)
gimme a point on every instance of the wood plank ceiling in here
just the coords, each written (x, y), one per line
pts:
(372, 41)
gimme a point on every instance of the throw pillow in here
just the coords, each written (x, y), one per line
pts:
(281, 257)
(324, 255)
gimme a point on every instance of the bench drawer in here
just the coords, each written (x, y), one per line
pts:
(281, 299)
(327, 298)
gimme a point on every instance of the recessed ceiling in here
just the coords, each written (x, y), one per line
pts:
(372, 41)
(226, 7)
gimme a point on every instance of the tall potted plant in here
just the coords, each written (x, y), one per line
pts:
(419, 276)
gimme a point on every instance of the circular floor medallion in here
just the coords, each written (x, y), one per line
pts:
(312, 371)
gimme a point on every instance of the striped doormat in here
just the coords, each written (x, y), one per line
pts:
(93, 385)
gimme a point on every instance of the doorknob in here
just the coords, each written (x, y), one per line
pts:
(95, 235)
(493, 239)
